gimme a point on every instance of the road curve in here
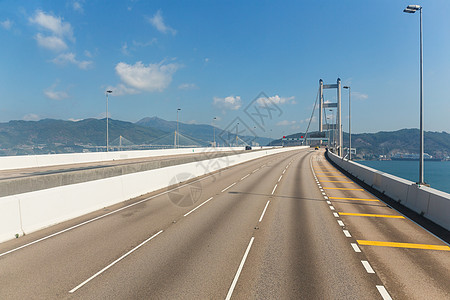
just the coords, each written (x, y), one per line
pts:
(286, 226)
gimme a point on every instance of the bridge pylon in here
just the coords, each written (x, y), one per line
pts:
(337, 126)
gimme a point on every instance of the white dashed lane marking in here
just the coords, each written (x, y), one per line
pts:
(367, 267)
(355, 247)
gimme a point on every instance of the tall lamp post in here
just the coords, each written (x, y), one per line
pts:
(412, 9)
(237, 125)
(214, 131)
(177, 140)
(349, 122)
(107, 121)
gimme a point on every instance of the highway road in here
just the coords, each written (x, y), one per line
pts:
(286, 226)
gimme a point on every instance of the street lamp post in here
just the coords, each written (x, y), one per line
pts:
(412, 9)
(177, 140)
(333, 136)
(214, 131)
(349, 122)
(237, 126)
(107, 121)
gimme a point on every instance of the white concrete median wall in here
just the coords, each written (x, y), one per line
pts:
(28, 212)
(429, 202)
(45, 160)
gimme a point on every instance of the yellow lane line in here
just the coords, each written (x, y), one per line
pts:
(328, 172)
(336, 181)
(358, 199)
(403, 245)
(330, 176)
(346, 189)
(371, 215)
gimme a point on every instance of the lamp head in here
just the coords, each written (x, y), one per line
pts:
(410, 9)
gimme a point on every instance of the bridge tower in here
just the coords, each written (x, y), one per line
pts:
(338, 125)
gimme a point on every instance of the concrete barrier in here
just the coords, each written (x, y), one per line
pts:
(28, 212)
(9, 218)
(431, 203)
(33, 161)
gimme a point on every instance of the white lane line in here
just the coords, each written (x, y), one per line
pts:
(105, 215)
(284, 171)
(114, 262)
(264, 211)
(255, 170)
(355, 247)
(331, 207)
(329, 202)
(274, 188)
(236, 277)
(95, 219)
(341, 223)
(384, 293)
(186, 214)
(336, 215)
(347, 233)
(228, 187)
(368, 267)
(279, 179)
(245, 176)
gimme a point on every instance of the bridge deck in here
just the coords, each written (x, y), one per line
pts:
(284, 226)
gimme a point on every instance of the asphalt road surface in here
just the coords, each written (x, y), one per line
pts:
(286, 226)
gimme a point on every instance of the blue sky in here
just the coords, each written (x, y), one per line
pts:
(213, 58)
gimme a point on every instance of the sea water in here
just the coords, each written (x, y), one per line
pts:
(436, 173)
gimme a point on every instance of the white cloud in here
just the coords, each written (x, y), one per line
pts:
(53, 24)
(55, 95)
(88, 54)
(151, 77)
(51, 42)
(66, 58)
(286, 123)
(187, 86)
(230, 102)
(121, 90)
(145, 44)
(313, 120)
(7, 24)
(77, 6)
(31, 117)
(158, 22)
(124, 49)
(275, 100)
(359, 96)
(127, 49)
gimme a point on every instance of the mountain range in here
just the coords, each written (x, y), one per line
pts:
(58, 136)
(388, 143)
